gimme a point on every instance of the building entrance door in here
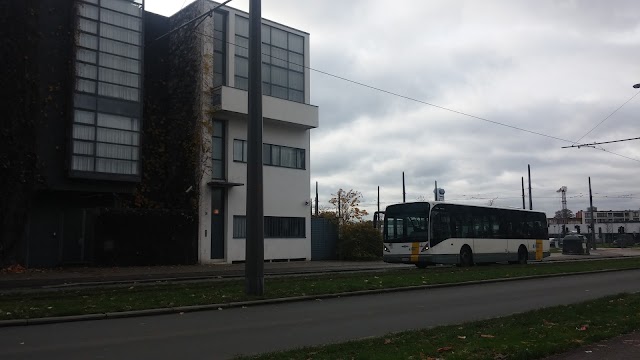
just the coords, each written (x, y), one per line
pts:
(217, 223)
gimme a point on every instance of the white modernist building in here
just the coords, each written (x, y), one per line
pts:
(287, 120)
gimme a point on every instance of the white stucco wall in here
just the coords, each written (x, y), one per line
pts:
(286, 123)
(285, 192)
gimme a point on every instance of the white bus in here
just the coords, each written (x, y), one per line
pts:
(424, 233)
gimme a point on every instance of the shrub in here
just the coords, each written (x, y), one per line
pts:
(359, 241)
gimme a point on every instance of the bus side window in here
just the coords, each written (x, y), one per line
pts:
(440, 226)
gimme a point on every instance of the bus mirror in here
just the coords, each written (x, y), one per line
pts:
(376, 218)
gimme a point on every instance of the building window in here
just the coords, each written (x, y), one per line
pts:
(217, 151)
(282, 61)
(283, 156)
(272, 155)
(274, 227)
(219, 48)
(105, 134)
(240, 150)
(239, 227)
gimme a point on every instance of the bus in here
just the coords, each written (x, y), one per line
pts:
(425, 233)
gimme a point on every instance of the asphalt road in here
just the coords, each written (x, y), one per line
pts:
(223, 334)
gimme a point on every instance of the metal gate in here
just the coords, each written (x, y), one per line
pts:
(324, 239)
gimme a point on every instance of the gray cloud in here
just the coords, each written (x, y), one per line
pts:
(549, 66)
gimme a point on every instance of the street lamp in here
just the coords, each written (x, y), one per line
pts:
(636, 86)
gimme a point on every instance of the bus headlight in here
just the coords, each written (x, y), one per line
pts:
(425, 248)
(386, 248)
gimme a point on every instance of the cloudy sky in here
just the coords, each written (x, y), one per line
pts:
(557, 68)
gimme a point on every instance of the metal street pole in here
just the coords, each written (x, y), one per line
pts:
(593, 227)
(435, 191)
(404, 194)
(530, 201)
(378, 198)
(523, 204)
(316, 198)
(254, 253)
(339, 207)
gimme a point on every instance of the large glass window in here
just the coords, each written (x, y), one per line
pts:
(217, 152)
(273, 155)
(282, 61)
(108, 53)
(274, 227)
(457, 221)
(219, 48)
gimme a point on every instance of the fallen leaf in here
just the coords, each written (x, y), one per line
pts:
(446, 348)
(387, 341)
(582, 328)
(462, 337)
(487, 336)
(548, 323)
(588, 351)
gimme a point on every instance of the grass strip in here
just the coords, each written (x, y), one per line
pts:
(531, 335)
(139, 297)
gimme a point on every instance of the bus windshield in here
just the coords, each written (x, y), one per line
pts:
(406, 228)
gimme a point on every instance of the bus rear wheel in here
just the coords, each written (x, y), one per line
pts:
(466, 257)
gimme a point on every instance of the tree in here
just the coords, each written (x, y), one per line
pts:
(564, 214)
(347, 206)
(360, 241)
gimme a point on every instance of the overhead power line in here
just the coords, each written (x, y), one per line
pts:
(600, 143)
(417, 100)
(606, 118)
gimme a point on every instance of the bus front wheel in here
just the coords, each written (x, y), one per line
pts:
(466, 257)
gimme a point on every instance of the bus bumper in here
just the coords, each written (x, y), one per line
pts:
(422, 259)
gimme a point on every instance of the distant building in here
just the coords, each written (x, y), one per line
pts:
(608, 224)
(613, 216)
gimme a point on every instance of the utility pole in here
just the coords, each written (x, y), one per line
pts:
(339, 207)
(404, 194)
(530, 200)
(523, 204)
(435, 191)
(378, 198)
(593, 227)
(316, 198)
(254, 251)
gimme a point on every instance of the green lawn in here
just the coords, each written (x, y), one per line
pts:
(138, 297)
(532, 335)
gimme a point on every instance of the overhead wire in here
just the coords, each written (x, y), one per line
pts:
(427, 103)
(606, 118)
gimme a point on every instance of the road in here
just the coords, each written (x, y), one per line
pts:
(223, 334)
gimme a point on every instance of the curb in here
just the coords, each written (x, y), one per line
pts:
(221, 306)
